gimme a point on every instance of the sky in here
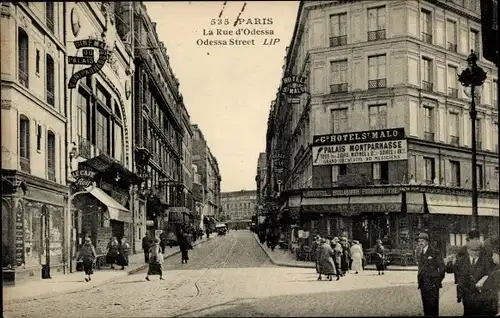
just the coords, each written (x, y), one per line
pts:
(228, 89)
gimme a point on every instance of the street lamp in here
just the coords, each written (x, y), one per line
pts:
(473, 76)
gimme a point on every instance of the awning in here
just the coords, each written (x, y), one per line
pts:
(459, 205)
(116, 211)
(349, 206)
(414, 202)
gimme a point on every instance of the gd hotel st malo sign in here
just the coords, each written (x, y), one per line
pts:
(359, 147)
(87, 59)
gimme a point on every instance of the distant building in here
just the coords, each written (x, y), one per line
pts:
(260, 180)
(238, 206)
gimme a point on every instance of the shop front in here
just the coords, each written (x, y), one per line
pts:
(33, 227)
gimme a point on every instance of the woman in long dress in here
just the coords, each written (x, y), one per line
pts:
(155, 260)
(380, 257)
(325, 263)
(357, 257)
(124, 250)
(113, 250)
(88, 256)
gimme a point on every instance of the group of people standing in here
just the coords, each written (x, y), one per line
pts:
(476, 271)
(335, 257)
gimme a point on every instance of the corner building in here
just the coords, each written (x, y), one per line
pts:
(385, 65)
(34, 188)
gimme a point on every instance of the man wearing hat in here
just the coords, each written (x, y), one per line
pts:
(470, 265)
(431, 272)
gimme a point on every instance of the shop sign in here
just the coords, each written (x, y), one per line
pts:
(294, 85)
(19, 236)
(347, 192)
(87, 59)
(360, 147)
(83, 177)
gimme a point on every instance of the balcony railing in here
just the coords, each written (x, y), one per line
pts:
(429, 136)
(338, 40)
(50, 98)
(454, 140)
(377, 83)
(376, 35)
(452, 47)
(479, 144)
(427, 86)
(23, 78)
(452, 92)
(84, 148)
(427, 38)
(338, 88)
(25, 165)
(51, 174)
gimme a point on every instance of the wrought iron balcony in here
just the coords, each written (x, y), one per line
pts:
(338, 88)
(452, 92)
(338, 40)
(452, 47)
(23, 78)
(376, 35)
(51, 174)
(454, 140)
(427, 38)
(84, 147)
(429, 136)
(377, 83)
(50, 98)
(427, 86)
(25, 165)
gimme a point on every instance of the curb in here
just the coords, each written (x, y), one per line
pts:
(281, 264)
(127, 273)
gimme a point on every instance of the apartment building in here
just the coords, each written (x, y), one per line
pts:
(238, 207)
(34, 213)
(260, 178)
(384, 70)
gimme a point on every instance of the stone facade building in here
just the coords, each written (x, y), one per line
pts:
(238, 207)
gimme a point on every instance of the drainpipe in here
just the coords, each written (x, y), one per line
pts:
(132, 99)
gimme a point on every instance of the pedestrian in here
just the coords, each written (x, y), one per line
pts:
(207, 231)
(325, 262)
(88, 256)
(380, 257)
(113, 250)
(490, 285)
(431, 272)
(357, 257)
(337, 249)
(163, 240)
(315, 251)
(124, 251)
(155, 260)
(146, 244)
(184, 246)
(470, 265)
(345, 257)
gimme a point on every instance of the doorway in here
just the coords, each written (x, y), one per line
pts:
(117, 229)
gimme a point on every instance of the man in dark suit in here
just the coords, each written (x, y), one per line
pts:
(431, 272)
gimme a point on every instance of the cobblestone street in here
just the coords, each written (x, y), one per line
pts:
(232, 276)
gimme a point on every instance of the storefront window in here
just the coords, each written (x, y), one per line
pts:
(33, 243)
(404, 230)
(56, 226)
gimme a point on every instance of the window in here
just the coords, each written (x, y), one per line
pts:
(380, 172)
(430, 170)
(82, 116)
(118, 138)
(451, 35)
(49, 72)
(49, 15)
(426, 25)
(376, 72)
(479, 174)
(495, 94)
(339, 76)
(455, 173)
(453, 128)
(378, 116)
(38, 138)
(452, 81)
(338, 29)
(474, 41)
(102, 131)
(339, 120)
(376, 23)
(427, 81)
(479, 133)
(429, 123)
(51, 156)
(24, 143)
(37, 61)
(495, 136)
(23, 63)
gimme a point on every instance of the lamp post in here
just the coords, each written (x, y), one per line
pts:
(473, 76)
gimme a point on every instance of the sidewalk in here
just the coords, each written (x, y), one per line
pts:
(74, 282)
(284, 258)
